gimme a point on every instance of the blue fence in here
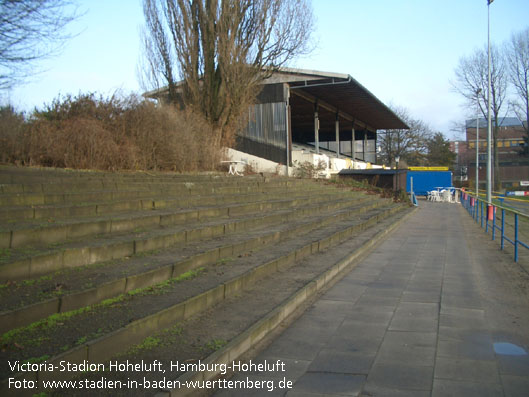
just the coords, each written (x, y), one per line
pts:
(486, 216)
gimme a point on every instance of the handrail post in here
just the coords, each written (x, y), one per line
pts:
(481, 216)
(487, 218)
(515, 237)
(502, 228)
(493, 224)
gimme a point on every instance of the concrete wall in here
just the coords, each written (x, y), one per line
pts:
(332, 164)
(258, 164)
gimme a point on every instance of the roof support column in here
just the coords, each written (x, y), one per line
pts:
(353, 154)
(365, 145)
(316, 129)
(337, 128)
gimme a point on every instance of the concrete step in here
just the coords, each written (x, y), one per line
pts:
(11, 214)
(228, 249)
(205, 295)
(25, 302)
(18, 264)
(38, 233)
(177, 190)
(47, 186)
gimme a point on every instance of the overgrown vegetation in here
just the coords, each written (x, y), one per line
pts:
(116, 133)
(370, 188)
(307, 169)
(59, 318)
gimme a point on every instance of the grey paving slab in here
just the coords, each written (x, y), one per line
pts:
(293, 368)
(451, 388)
(462, 321)
(378, 301)
(339, 361)
(334, 384)
(405, 353)
(414, 296)
(349, 293)
(330, 308)
(469, 349)
(400, 376)
(466, 370)
(413, 318)
(513, 365)
(372, 314)
(378, 391)
(412, 348)
(295, 349)
(465, 335)
(515, 386)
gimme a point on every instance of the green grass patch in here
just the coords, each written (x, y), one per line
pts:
(36, 360)
(57, 318)
(214, 344)
(149, 342)
(5, 253)
(223, 261)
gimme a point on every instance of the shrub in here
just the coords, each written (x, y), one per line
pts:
(309, 170)
(88, 132)
(12, 130)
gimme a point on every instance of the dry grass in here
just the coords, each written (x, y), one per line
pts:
(86, 132)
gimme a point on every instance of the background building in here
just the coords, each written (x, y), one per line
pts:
(514, 167)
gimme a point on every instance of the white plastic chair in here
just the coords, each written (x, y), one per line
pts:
(434, 195)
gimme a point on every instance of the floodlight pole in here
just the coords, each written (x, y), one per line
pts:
(489, 122)
(477, 142)
(397, 158)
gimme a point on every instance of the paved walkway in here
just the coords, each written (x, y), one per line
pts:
(422, 315)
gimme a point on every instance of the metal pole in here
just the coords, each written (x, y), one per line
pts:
(316, 130)
(287, 111)
(353, 154)
(481, 214)
(516, 237)
(337, 128)
(489, 129)
(493, 224)
(477, 142)
(502, 228)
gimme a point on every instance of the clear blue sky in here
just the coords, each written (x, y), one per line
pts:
(403, 51)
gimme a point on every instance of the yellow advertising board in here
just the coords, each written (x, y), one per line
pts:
(428, 168)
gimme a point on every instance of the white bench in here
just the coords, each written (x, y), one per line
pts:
(233, 166)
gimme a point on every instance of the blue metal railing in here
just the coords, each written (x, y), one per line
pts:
(476, 207)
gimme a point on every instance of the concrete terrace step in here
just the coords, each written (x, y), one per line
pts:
(185, 189)
(52, 187)
(25, 233)
(24, 264)
(171, 251)
(197, 297)
(38, 297)
(10, 214)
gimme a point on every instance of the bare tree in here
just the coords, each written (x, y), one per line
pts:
(472, 83)
(30, 30)
(221, 50)
(517, 50)
(410, 145)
